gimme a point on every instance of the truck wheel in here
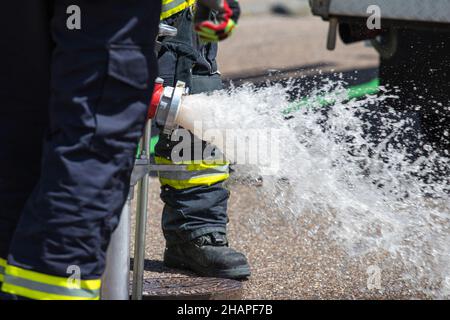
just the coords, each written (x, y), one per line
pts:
(420, 68)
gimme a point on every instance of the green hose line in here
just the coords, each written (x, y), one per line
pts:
(364, 89)
(354, 92)
(153, 143)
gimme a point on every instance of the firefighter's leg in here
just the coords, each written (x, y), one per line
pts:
(195, 213)
(102, 77)
(196, 200)
(24, 95)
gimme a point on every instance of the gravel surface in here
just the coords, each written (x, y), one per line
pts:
(288, 261)
(291, 7)
(293, 45)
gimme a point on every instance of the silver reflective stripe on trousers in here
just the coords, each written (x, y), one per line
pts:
(172, 5)
(186, 175)
(47, 288)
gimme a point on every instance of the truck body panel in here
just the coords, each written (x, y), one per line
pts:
(429, 11)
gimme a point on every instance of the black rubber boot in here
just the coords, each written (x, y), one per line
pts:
(208, 256)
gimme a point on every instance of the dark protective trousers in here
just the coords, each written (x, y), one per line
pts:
(195, 199)
(73, 104)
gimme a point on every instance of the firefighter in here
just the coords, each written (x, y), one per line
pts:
(194, 219)
(75, 81)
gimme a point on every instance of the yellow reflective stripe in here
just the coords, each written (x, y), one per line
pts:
(38, 295)
(50, 280)
(74, 291)
(207, 38)
(194, 182)
(193, 165)
(171, 7)
(2, 262)
(202, 174)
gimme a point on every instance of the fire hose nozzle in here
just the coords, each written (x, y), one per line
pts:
(165, 104)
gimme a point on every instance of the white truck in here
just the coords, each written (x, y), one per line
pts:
(413, 40)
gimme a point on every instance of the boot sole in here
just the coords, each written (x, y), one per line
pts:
(237, 273)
